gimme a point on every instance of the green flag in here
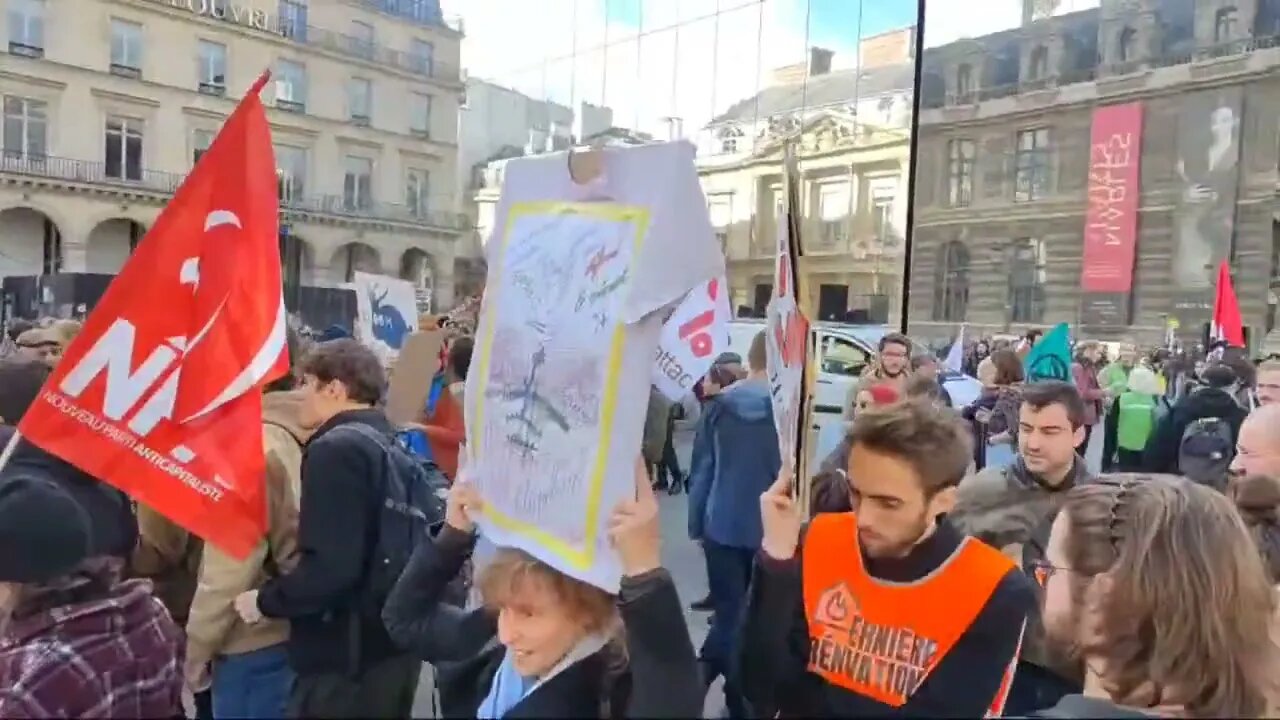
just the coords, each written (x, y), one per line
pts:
(1050, 359)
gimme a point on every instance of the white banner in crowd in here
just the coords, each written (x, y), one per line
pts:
(695, 334)
(387, 313)
(581, 273)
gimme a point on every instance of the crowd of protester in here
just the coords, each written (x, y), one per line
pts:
(927, 576)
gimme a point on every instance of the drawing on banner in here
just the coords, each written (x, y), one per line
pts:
(387, 312)
(389, 325)
(548, 367)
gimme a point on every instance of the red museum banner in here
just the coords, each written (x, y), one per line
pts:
(1111, 221)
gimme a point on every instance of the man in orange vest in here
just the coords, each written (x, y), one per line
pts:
(887, 610)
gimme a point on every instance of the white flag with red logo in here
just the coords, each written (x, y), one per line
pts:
(695, 334)
(161, 394)
(786, 345)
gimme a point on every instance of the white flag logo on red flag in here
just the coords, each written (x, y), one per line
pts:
(160, 395)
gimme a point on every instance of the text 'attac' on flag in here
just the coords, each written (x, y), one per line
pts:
(161, 394)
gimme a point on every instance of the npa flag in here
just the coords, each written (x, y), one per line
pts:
(1227, 325)
(161, 394)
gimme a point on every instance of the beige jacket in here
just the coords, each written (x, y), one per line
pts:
(168, 556)
(213, 627)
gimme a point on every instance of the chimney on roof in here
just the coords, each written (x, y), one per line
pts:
(893, 47)
(819, 61)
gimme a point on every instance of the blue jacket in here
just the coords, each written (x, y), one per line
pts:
(735, 459)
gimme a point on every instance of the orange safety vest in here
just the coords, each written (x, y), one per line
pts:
(879, 639)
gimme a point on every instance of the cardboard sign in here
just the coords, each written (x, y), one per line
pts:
(787, 332)
(411, 376)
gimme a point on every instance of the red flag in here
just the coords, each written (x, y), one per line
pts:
(160, 395)
(1227, 324)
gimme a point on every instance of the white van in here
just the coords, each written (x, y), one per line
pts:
(843, 351)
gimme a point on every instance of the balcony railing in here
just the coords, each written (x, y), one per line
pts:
(355, 47)
(159, 181)
(419, 11)
(1171, 58)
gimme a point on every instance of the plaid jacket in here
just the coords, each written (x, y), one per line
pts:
(115, 657)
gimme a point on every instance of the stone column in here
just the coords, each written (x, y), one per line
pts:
(74, 240)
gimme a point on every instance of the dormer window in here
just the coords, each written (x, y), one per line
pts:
(964, 80)
(728, 138)
(1224, 25)
(1127, 46)
(1038, 68)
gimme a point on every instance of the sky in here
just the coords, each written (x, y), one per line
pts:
(692, 59)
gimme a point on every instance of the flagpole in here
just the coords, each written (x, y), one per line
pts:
(9, 448)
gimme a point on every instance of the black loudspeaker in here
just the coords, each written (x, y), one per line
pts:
(321, 307)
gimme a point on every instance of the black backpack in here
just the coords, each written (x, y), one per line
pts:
(411, 511)
(1206, 451)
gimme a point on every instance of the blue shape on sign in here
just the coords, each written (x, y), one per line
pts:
(389, 326)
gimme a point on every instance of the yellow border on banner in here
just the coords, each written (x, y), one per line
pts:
(639, 218)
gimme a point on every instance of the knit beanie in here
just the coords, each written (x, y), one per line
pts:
(44, 532)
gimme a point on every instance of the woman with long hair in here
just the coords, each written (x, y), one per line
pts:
(544, 644)
(1154, 584)
(999, 426)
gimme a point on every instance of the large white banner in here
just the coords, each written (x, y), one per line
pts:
(695, 334)
(581, 278)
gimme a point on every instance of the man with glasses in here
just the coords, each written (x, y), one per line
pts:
(892, 366)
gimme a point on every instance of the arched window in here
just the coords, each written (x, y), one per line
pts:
(1127, 45)
(951, 283)
(1026, 280)
(1038, 69)
(1224, 24)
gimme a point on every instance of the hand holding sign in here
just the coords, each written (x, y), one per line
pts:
(463, 506)
(780, 515)
(634, 528)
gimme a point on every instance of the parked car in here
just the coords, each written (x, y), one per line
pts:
(843, 351)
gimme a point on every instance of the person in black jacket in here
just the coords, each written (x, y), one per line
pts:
(346, 664)
(544, 644)
(113, 527)
(1212, 400)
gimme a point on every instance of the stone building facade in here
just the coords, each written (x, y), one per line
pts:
(1002, 192)
(107, 104)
